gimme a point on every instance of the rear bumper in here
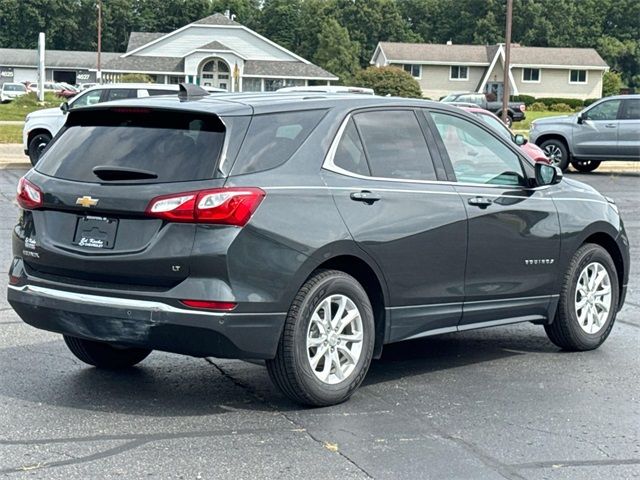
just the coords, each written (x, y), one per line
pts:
(148, 324)
(518, 115)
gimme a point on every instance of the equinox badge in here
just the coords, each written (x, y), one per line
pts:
(86, 202)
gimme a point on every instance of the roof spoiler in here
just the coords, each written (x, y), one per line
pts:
(189, 91)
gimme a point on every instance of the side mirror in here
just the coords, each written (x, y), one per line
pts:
(64, 106)
(519, 139)
(582, 116)
(547, 174)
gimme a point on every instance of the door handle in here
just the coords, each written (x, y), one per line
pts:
(365, 196)
(481, 202)
(610, 125)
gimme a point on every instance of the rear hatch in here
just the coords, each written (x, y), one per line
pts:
(97, 181)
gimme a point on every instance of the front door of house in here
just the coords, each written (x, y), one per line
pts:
(216, 73)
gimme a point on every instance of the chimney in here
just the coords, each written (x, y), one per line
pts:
(449, 42)
(227, 13)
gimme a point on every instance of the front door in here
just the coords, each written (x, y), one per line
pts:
(597, 135)
(384, 183)
(494, 90)
(216, 73)
(513, 230)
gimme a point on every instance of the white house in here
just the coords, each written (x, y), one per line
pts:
(536, 71)
(214, 51)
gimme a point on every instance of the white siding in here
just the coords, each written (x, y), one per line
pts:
(236, 39)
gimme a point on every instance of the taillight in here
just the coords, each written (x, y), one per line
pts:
(523, 107)
(225, 206)
(29, 196)
(209, 305)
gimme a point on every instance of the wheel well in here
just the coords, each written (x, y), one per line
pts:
(609, 244)
(365, 275)
(553, 136)
(35, 132)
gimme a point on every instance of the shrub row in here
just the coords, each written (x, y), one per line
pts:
(533, 103)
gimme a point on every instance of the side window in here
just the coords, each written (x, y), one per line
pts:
(120, 93)
(604, 111)
(89, 98)
(395, 145)
(630, 109)
(273, 137)
(350, 154)
(152, 92)
(476, 155)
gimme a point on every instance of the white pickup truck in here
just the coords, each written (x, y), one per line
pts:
(42, 125)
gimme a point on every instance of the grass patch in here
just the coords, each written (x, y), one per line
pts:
(10, 133)
(531, 116)
(17, 109)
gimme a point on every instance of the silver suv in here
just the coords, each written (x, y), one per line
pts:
(607, 130)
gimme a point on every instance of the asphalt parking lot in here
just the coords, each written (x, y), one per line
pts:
(491, 404)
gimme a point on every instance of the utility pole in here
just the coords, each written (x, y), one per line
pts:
(99, 69)
(507, 63)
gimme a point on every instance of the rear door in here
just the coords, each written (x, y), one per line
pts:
(629, 129)
(513, 230)
(98, 178)
(384, 182)
(597, 136)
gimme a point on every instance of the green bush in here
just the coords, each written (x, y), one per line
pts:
(135, 78)
(561, 107)
(572, 102)
(31, 100)
(537, 107)
(611, 84)
(526, 99)
(590, 101)
(388, 81)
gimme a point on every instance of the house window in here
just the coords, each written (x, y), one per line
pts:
(459, 72)
(531, 75)
(414, 70)
(578, 76)
(251, 84)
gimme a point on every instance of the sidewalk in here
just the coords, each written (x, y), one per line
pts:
(12, 156)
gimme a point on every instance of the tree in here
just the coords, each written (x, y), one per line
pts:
(135, 78)
(280, 22)
(388, 81)
(611, 84)
(336, 52)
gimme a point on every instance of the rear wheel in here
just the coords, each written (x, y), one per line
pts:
(585, 165)
(103, 355)
(588, 301)
(36, 146)
(557, 152)
(327, 343)
(509, 121)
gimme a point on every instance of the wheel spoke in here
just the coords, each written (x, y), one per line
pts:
(347, 354)
(313, 342)
(354, 338)
(342, 305)
(349, 317)
(338, 372)
(321, 352)
(580, 305)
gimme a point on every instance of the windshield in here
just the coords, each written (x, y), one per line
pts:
(172, 146)
(14, 88)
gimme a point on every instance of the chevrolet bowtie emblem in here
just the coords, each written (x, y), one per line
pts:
(86, 202)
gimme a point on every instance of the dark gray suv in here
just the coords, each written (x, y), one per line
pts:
(306, 230)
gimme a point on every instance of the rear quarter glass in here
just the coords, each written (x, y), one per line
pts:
(273, 137)
(175, 146)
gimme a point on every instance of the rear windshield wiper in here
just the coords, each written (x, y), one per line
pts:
(114, 174)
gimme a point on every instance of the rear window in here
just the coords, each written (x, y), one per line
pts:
(14, 88)
(272, 138)
(173, 146)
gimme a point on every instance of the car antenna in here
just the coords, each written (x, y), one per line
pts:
(189, 91)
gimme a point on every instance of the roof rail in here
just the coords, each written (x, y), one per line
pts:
(189, 91)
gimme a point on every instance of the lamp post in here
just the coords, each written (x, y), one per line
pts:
(507, 62)
(99, 68)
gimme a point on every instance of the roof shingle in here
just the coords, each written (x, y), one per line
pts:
(138, 39)
(266, 68)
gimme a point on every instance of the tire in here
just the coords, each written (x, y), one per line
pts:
(292, 371)
(37, 145)
(103, 355)
(566, 330)
(557, 152)
(509, 121)
(585, 166)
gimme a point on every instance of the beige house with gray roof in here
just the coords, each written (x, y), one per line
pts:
(535, 71)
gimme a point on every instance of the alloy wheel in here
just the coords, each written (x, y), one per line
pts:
(334, 339)
(553, 153)
(593, 297)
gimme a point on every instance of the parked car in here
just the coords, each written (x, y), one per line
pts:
(66, 91)
(10, 91)
(533, 151)
(328, 89)
(515, 112)
(606, 130)
(42, 125)
(84, 86)
(306, 230)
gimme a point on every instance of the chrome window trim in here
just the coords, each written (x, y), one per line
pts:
(119, 302)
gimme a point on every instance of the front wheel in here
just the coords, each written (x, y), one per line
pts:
(37, 145)
(327, 343)
(103, 355)
(557, 152)
(585, 166)
(588, 301)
